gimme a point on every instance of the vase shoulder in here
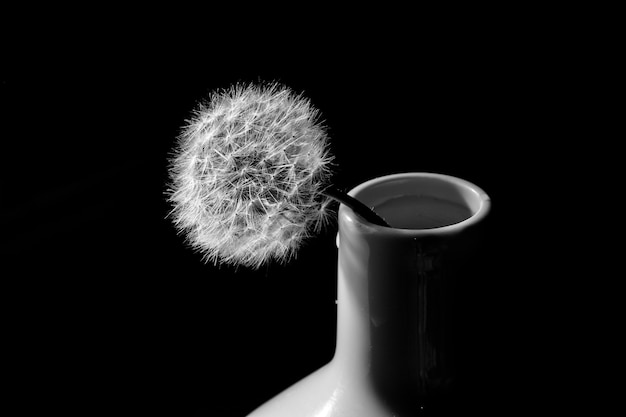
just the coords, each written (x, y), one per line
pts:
(327, 392)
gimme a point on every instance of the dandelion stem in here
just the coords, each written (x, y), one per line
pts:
(358, 207)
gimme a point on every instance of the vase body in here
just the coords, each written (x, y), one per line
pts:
(395, 353)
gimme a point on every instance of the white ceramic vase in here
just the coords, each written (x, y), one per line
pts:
(394, 354)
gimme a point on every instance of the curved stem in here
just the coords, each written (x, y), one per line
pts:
(356, 206)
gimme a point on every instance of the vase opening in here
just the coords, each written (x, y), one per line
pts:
(423, 200)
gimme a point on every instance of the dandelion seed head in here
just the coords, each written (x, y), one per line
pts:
(247, 175)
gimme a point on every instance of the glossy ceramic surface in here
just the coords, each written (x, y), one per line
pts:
(393, 350)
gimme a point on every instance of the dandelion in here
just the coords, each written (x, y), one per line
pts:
(250, 176)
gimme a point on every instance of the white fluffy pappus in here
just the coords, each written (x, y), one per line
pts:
(247, 175)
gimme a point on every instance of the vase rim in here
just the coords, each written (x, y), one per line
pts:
(483, 199)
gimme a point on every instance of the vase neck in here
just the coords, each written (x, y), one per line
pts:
(393, 302)
(396, 321)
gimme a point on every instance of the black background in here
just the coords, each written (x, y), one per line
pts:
(107, 311)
